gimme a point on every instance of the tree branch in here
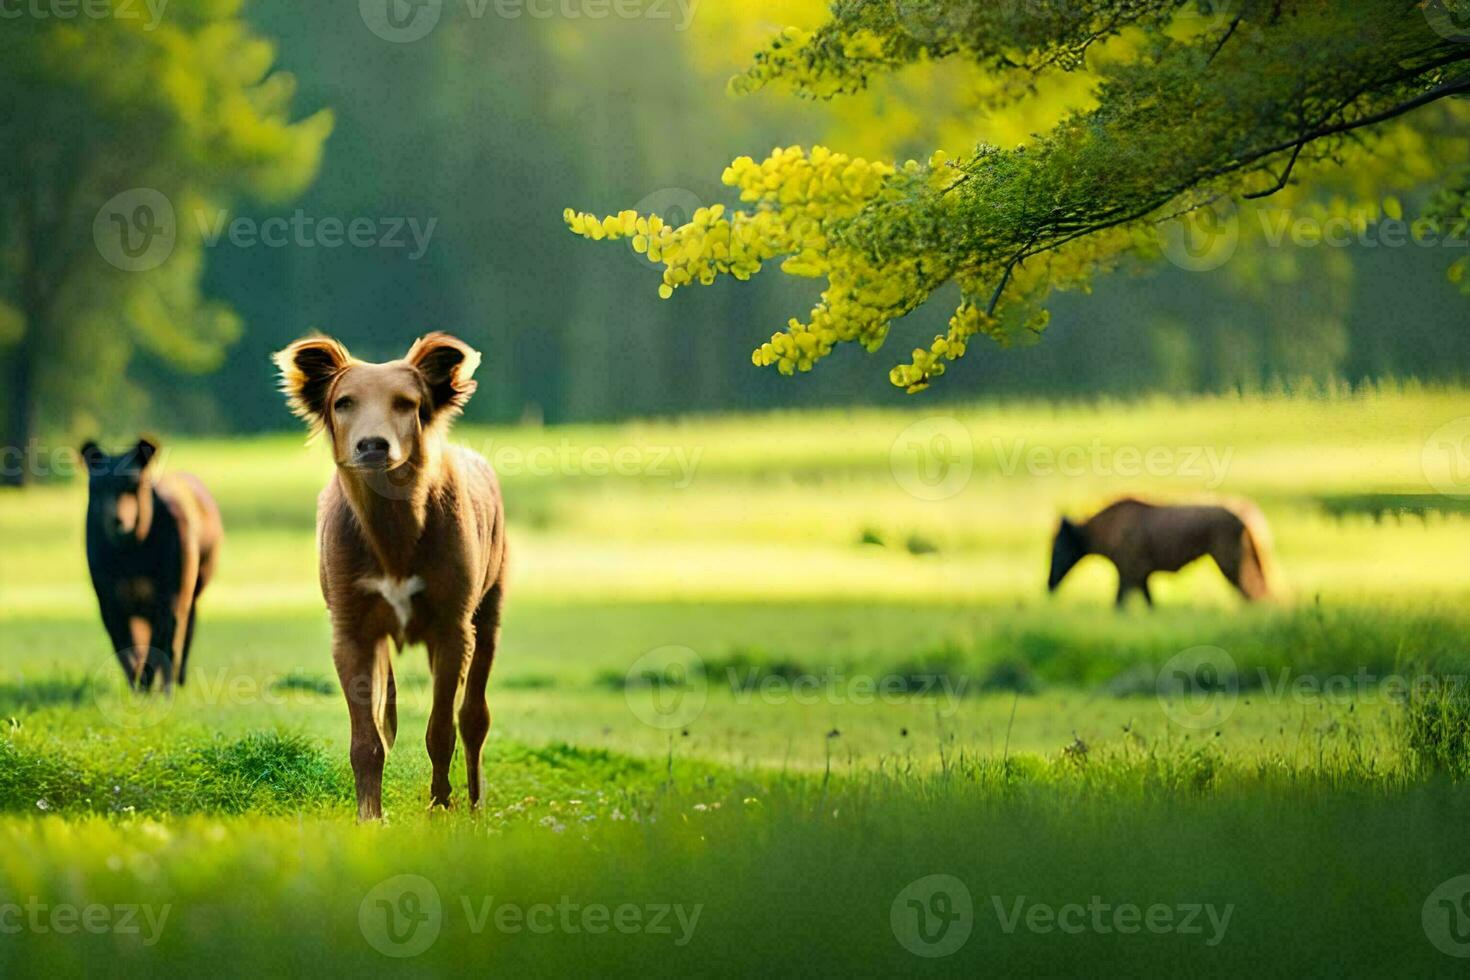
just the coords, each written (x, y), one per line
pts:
(1228, 33)
(1457, 87)
(1281, 182)
(1005, 278)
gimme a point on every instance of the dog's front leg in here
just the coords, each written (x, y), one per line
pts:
(364, 670)
(140, 635)
(449, 658)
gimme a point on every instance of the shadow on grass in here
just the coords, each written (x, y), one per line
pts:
(26, 696)
(305, 684)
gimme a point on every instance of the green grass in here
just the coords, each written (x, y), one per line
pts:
(884, 692)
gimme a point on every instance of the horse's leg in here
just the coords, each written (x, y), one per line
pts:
(1132, 575)
(1227, 553)
(1147, 596)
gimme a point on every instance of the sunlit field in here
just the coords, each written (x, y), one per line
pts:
(780, 669)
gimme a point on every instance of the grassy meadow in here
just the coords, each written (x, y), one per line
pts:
(762, 678)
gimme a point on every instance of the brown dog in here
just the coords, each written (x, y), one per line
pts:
(411, 532)
(1141, 538)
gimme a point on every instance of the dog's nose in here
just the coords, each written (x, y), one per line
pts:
(373, 449)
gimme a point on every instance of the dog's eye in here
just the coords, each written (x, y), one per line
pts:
(342, 404)
(404, 405)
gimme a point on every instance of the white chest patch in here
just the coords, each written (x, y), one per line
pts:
(397, 592)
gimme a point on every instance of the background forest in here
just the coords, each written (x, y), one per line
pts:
(461, 149)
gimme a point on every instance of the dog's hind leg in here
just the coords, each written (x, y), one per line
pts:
(188, 643)
(449, 661)
(163, 648)
(189, 630)
(474, 712)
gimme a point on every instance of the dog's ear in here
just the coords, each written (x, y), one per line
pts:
(144, 452)
(93, 457)
(447, 365)
(308, 368)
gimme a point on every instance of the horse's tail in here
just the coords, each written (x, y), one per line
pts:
(1257, 574)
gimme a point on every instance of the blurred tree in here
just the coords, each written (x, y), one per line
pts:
(1197, 105)
(121, 126)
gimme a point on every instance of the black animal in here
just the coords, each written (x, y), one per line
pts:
(152, 545)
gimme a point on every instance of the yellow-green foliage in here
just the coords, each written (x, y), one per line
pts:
(1187, 104)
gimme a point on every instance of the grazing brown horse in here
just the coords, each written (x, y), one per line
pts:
(1141, 538)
